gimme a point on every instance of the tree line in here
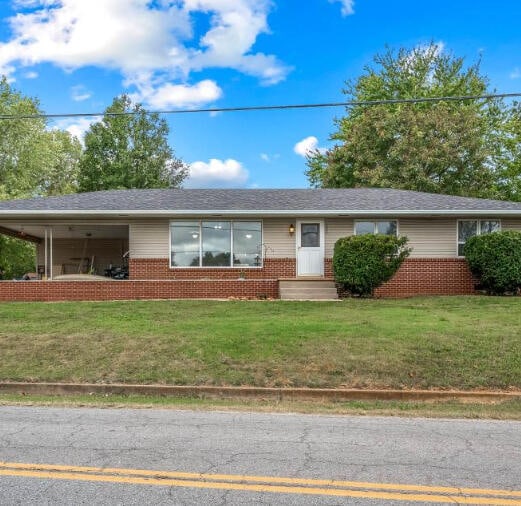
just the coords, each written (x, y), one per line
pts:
(470, 148)
(120, 151)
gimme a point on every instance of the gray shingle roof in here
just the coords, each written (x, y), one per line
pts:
(284, 201)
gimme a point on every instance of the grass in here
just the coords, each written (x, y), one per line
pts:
(445, 342)
(502, 410)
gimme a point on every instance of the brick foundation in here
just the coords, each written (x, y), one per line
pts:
(132, 290)
(417, 276)
(158, 268)
(429, 276)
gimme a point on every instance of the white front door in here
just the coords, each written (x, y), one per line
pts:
(310, 248)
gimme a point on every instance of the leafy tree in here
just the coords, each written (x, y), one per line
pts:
(16, 257)
(62, 152)
(509, 167)
(34, 161)
(128, 148)
(454, 147)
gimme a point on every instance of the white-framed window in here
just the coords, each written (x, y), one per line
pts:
(385, 227)
(215, 243)
(470, 228)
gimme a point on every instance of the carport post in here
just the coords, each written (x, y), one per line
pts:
(45, 254)
(50, 250)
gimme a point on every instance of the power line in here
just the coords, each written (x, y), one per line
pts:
(352, 103)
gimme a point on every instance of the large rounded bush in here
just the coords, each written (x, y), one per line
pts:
(362, 263)
(495, 259)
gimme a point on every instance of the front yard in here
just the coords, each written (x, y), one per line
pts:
(446, 342)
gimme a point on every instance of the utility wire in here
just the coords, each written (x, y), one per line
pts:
(352, 103)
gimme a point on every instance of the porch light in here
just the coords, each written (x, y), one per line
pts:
(291, 229)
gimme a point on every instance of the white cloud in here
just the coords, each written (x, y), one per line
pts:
(79, 93)
(141, 38)
(31, 75)
(176, 95)
(217, 174)
(306, 146)
(265, 157)
(516, 73)
(347, 6)
(76, 126)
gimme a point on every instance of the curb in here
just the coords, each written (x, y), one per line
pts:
(216, 392)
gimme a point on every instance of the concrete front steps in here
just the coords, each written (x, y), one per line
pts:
(307, 289)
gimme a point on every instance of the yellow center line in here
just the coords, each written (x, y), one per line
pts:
(307, 486)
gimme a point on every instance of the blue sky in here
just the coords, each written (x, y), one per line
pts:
(76, 55)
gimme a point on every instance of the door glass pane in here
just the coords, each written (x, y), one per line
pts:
(185, 244)
(488, 227)
(310, 235)
(247, 248)
(364, 227)
(216, 243)
(386, 227)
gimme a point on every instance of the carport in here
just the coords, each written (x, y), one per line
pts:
(66, 249)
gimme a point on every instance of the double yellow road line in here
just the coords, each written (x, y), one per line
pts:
(265, 484)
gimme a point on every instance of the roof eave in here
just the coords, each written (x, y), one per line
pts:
(123, 213)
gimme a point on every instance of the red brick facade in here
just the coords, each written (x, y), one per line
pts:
(159, 268)
(429, 276)
(153, 279)
(133, 290)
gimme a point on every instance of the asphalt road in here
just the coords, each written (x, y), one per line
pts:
(101, 456)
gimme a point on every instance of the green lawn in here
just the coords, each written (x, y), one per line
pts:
(446, 342)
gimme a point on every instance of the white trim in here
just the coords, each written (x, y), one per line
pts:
(478, 220)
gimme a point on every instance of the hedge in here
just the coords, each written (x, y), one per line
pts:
(362, 263)
(495, 259)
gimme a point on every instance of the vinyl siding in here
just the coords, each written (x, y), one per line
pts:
(149, 239)
(430, 237)
(335, 229)
(510, 224)
(277, 240)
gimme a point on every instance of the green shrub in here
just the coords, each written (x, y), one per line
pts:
(16, 257)
(495, 259)
(362, 263)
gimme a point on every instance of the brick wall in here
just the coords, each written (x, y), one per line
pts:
(129, 290)
(158, 268)
(328, 268)
(417, 276)
(425, 276)
(429, 276)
